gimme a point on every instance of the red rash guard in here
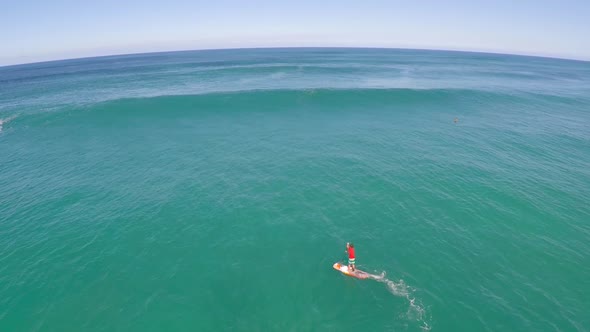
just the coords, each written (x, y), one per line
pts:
(350, 253)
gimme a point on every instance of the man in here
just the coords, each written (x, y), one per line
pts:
(350, 251)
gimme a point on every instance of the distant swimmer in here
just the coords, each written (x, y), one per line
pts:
(350, 251)
(456, 120)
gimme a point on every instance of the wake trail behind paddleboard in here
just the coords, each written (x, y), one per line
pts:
(415, 310)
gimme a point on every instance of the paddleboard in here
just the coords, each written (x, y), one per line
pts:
(355, 274)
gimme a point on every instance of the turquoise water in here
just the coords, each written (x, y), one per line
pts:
(213, 190)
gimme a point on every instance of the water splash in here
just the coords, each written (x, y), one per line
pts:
(416, 311)
(5, 121)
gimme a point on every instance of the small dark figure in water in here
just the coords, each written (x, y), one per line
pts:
(456, 120)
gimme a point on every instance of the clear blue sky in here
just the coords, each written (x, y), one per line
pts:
(45, 30)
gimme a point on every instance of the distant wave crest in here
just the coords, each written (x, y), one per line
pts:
(330, 98)
(326, 99)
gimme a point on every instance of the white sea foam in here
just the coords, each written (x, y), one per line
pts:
(5, 121)
(416, 311)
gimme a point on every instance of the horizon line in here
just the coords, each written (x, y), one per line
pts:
(301, 47)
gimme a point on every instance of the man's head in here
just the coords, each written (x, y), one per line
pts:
(349, 245)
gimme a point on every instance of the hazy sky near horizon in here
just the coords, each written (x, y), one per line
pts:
(38, 30)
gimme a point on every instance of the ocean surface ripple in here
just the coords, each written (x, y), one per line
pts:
(213, 190)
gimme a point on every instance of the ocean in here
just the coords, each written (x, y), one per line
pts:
(213, 191)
